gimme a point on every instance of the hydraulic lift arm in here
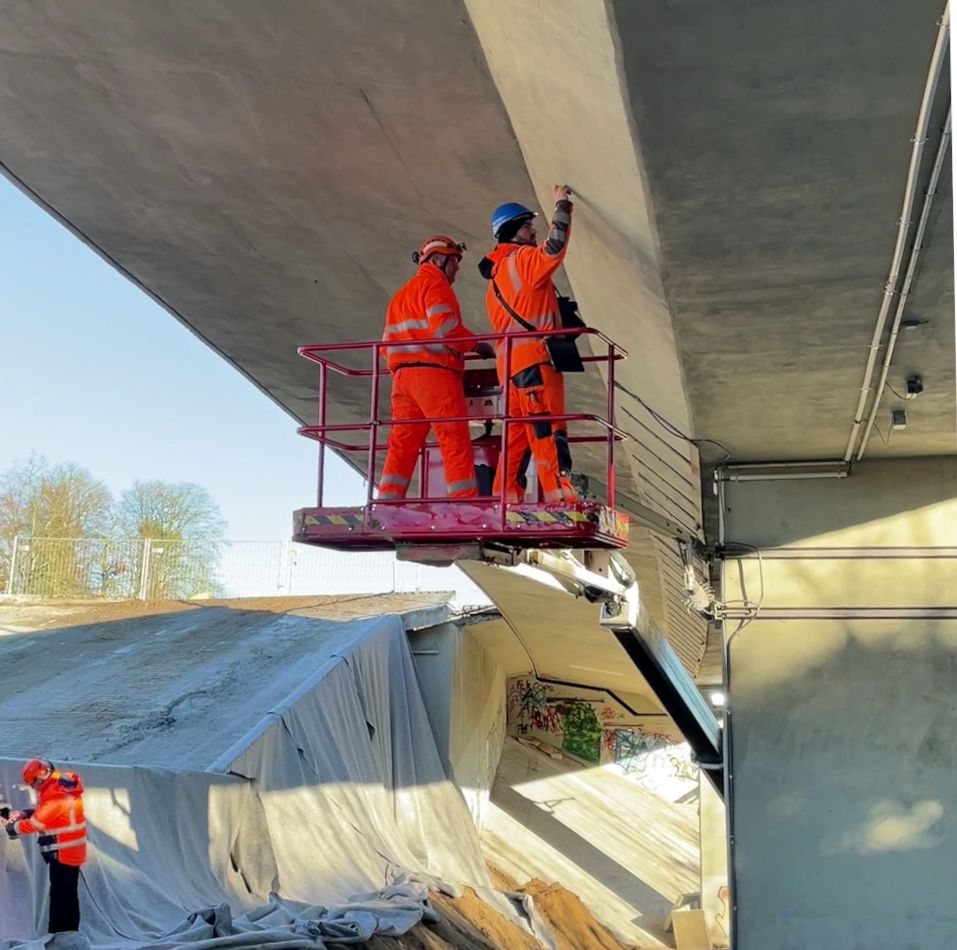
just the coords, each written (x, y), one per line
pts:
(605, 578)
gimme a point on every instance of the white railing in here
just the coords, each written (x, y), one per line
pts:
(154, 569)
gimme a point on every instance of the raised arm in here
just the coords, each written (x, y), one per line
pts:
(548, 256)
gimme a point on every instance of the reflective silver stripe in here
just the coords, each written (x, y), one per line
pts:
(413, 323)
(513, 273)
(463, 485)
(72, 828)
(438, 308)
(433, 246)
(417, 347)
(394, 480)
(445, 327)
(411, 346)
(64, 846)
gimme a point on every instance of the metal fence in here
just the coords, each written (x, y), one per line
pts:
(162, 569)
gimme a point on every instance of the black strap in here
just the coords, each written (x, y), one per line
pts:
(509, 310)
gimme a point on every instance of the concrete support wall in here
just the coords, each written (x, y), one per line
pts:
(843, 720)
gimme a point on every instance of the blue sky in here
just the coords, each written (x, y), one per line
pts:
(94, 372)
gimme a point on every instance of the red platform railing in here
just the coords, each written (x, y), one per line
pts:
(328, 434)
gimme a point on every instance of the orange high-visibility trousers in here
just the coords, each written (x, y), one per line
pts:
(537, 391)
(424, 392)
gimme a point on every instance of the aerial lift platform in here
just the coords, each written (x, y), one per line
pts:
(429, 526)
(574, 544)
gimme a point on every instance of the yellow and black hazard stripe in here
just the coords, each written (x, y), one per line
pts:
(537, 517)
(347, 520)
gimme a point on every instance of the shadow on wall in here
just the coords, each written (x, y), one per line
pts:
(817, 585)
(588, 793)
(847, 764)
(591, 859)
(863, 509)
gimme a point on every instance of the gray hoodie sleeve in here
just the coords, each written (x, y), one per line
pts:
(558, 232)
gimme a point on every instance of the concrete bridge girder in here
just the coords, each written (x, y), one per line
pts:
(575, 125)
(264, 177)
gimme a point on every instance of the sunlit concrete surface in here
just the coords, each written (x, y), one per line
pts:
(843, 730)
(628, 853)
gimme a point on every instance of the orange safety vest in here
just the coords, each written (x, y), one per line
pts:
(57, 819)
(523, 275)
(425, 312)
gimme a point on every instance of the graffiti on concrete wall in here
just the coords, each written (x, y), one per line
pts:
(581, 732)
(531, 706)
(592, 727)
(723, 917)
(652, 759)
(567, 721)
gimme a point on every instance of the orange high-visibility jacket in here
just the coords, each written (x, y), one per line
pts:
(57, 819)
(425, 312)
(523, 275)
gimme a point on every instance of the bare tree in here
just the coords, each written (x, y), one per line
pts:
(165, 536)
(38, 499)
(170, 514)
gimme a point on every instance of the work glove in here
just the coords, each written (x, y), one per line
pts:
(485, 350)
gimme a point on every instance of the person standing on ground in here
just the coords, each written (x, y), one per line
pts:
(427, 370)
(520, 275)
(58, 821)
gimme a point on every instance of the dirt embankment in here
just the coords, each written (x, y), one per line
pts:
(23, 614)
(471, 924)
(571, 922)
(467, 923)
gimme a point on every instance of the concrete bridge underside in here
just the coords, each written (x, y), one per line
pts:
(264, 169)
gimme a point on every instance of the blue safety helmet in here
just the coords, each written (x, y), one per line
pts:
(510, 211)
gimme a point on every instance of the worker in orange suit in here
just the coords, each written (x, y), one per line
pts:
(520, 275)
(59, 823)
(424, 317)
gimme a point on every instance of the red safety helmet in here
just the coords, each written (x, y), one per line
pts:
(32, 770)
(437, 244)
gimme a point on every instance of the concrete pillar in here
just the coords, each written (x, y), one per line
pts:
(843, 708)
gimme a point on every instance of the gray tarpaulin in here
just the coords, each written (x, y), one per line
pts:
(339, 791)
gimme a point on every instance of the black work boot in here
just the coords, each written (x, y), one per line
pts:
(579, 481)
